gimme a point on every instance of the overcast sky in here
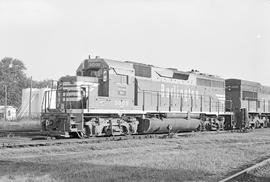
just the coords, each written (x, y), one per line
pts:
(229, 38)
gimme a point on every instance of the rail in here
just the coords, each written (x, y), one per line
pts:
(245, 171)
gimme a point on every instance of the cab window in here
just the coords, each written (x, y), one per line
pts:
(94, 73)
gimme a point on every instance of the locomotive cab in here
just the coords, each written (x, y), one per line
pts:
(97, 70)
(73, 95)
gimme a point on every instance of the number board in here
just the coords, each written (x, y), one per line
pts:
(94, 65)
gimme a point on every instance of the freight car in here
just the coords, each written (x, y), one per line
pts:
(108, 97)
(253, 97)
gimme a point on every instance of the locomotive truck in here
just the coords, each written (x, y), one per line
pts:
(108, 97)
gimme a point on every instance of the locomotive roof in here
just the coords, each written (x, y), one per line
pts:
(207, 76)
(168, 72)
(129, 65)
(243, 82)
(118, 64)
(109, 63)
(248, 84)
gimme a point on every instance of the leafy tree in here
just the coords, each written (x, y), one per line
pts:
(12, 76)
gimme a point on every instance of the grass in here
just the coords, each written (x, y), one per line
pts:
(196, 158)
(23, 124)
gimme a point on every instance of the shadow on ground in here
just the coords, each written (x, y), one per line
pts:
(67, 171)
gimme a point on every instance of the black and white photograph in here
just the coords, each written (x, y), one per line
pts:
(134, 90)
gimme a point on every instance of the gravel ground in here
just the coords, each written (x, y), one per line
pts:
(205, 157)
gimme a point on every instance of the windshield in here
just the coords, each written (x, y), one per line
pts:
(72, 98)
(94, 73)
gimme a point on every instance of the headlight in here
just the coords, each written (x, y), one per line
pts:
(48, 122)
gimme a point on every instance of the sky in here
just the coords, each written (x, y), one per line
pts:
(229, 38)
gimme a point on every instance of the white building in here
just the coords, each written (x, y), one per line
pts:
(37, 101)
(10, 113)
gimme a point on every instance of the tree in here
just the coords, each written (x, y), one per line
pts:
(43, 84)
(12, 76)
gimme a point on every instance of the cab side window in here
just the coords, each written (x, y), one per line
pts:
(105, 76)
(103, 88)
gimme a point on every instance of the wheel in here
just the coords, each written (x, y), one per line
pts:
(88, 131)
(108, 132)
(124, 130)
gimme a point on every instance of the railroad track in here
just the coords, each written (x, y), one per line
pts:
(41, 139)
(54, 142)
(22, 132)
(19, 130)
(240, 176)
(44, 140)
(37, 132)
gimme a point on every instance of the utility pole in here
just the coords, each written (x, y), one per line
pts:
(30, 98)
(5, 86)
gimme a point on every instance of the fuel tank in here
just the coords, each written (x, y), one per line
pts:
(156, 125)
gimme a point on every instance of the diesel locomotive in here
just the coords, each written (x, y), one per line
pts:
(108, 97)
(252, 96)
